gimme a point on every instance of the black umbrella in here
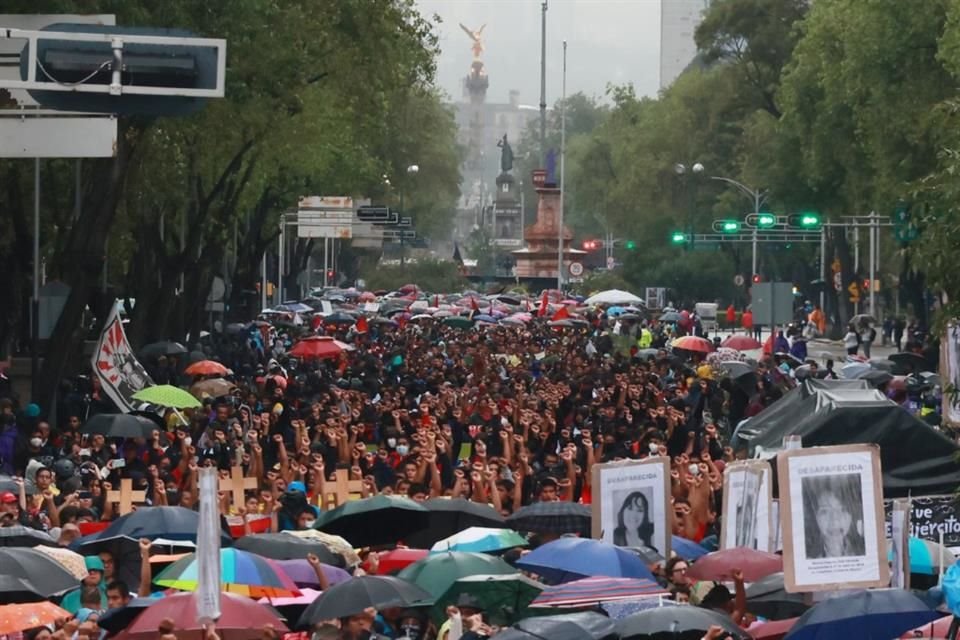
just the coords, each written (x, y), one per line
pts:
(877, 378)
(374, 521)
(355, 595)
(45, 575)
(283, 546)
(586, 625)
(118, 619)
(452, 515)
(157, 349)
(339, 317)
(15, 590)
(873, 613)
(767, 597)
(119, 425)
(676, 623)
(552, 517)
(909, 362)
(20, 536)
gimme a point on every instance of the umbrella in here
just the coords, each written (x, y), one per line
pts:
(213, 388)
(877, 378)
(294, 307)
(305, 598)
(693, 343)
(483, 317)
(171, 523)
(44, 573)
(353, 596)
(303, 575)
(936, 629)
(397, 560)
(768, 597)
(586, 625)
(318, 347)
(458, 322)
(735, 368)
(686, 549)
(773, 630)
(437, 572)
(339, 317)
(613, 297)
(560, 323)
(863, 319)
(119, 425)
(18, 590)
(119, 618)
(284, 546)
(881, 364)
(720, 565)
(671, 316)
(372, 521)
(336, 544)
(20, 617)
(240, 572)
(20, 536)
(677, 623)
(927, 557)
(166, 395)
(909, 362)
(481, 540)
(504, 597)
(741, 343)
(69, 560)
(552, 517)
(877, 613)
(569, 559)
(157, 349)
(622, 609)
(206, 368)
(854, 369)
(240, 618)
(590, 591)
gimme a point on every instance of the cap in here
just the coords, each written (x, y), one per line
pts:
(7, 498)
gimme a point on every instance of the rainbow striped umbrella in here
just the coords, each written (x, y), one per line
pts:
(241, 572)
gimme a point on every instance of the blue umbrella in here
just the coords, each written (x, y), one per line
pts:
(874, 614)
(687, 549)
(569, 559)
(484, 317)
(615, 311)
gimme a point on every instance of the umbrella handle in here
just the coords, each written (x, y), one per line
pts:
(183, 420)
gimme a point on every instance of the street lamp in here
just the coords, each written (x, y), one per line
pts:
(412, 170)
(695, 170)
(757, 197)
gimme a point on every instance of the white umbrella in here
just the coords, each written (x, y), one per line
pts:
(613, 296)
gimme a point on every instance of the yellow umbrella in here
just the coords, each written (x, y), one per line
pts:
(69, 560)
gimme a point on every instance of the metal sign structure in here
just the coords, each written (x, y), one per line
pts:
(325, 217)
(772, 303)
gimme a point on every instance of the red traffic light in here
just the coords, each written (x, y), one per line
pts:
(330, 273)
(756, 278)
(590, 245)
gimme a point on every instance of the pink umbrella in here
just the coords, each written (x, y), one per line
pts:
(306, 597)
(720, 565)
(774, 630)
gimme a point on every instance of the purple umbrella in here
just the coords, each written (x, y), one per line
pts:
(303, 574)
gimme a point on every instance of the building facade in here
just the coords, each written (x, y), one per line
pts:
(678, 22)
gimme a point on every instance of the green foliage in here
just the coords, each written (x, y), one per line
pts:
(480, 247)
(601, 280)
(430, 275)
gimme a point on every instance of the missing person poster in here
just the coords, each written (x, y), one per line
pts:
(831, 502)
(746, 513)
(631, 510)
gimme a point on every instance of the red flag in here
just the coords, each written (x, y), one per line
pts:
(362, 326)
(562, 314)
(474, 306)
(527, 302)
(436, 300)
(542, 311)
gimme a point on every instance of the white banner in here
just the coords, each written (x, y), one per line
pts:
(208, 548)
(120, 373)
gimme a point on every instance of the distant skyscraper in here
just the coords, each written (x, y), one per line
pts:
(678, 21)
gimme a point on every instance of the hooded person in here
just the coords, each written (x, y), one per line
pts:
(296, 514)
(94, 579)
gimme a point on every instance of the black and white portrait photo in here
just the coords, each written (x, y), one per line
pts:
(831, 503)
(630, 504)
(833, 515)
(746, 516)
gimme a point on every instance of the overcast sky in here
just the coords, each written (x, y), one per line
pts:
(608, 41)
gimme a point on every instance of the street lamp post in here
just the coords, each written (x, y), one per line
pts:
(695, 170)
(412, 170)
(756, 196)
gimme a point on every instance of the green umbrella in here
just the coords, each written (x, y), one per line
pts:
(458, 322)
(437, 572)
(505, 597)
(167, 395)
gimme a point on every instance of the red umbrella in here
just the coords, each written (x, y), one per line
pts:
(741, 343)
(775, 629)
(206, 368)
(367, 296)
(720, 565)
(240, 619)
(316, 347)
(693, 343)
(393, 561)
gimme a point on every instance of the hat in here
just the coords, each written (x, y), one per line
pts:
(7, 498)
(296, 485)
(93, 563)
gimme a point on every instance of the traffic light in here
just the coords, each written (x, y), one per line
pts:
(866, 284)
(756, 278)
(729, 226)
(330, 274)
(630, 245)
(589, 245)
(808, 221)
(766, 220)
(678, 237)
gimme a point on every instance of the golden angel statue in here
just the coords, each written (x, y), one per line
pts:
(477, 37)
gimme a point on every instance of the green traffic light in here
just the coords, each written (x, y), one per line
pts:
(809, 220)
(630, 244)
(766, 220)
(729, 226)
(678, 237)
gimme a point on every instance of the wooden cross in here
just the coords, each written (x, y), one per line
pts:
(126, 496)
(343, 489)
(236, 484)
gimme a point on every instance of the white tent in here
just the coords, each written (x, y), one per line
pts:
(614, 296)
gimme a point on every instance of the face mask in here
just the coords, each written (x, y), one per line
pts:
(402, 449)
(188, 441)
(391, 442)
(410, 631)
(654, 448)
(309, 523)
(36, 443)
